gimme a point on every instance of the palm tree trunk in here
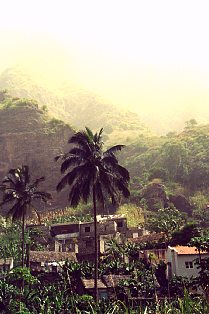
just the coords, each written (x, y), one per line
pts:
(96, 247)
(23, 238)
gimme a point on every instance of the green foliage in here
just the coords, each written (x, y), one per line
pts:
(178, 285)
(190, 124)
(19, 195)
(181, 159)
(14, 103)
(201, 242)
(158, 172)
(133, 213)
(167, 220)
(61, 296)
(185, 234)
(174, 156)
(10, 241)
(44, 108)
(53, 125)
(200, 203)
(20, 273)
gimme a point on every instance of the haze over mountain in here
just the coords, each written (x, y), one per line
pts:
(133, 55)
(76, 106)
(80, 106)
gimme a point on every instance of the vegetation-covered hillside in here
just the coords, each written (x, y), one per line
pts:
(28, 136)
(181, 158)
(171, 169)
(76, 106)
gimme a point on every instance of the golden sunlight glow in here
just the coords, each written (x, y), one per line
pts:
(147, 55)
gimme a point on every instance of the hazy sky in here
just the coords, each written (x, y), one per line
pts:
(144, 54)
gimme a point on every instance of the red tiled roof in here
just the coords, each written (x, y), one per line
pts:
(187, 250)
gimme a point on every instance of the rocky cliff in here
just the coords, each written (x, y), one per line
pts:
(28, 136)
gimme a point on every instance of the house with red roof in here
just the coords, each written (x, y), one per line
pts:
(181, 261)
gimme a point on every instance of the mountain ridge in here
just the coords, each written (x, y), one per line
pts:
(76, 106)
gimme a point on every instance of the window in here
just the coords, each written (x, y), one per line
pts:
(189, 264)
(88, 243)
(87, 229)
(54, 269)
(119, 224)
(70, 247)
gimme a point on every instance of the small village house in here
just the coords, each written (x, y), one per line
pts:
(87, 287)
(181, 261)
(79, 237)
(49, 261)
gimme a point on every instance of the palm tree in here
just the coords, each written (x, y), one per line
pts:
(19, 194)
(90, 171)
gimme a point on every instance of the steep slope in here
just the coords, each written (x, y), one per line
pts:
(28, 136)
(182, 158)
(76, 106)
(19, 83)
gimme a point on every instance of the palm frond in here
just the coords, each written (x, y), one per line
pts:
(122, 187)
(30, 209)
(62, 184)
(19, 212)
(113, 149)
(107, 181)
(61, 156)
(90, 134)
(15, 211)
(37, 181)
(100, 134)
(99, 193)
(110, 160)
(80, 138)
(8, 198)
(57, 157)
(42, 195)
(123, 173)
(75, 173)
(11, 178)
(86, 189)
(79, 152)
(74, 195)
(69, 162)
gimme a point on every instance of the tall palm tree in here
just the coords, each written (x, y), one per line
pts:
(19, 195)
(91, 172)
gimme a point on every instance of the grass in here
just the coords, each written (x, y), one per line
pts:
(133, 213)
(13, 103)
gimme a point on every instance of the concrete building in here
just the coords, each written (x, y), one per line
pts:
(79, 237)
(181, 261)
